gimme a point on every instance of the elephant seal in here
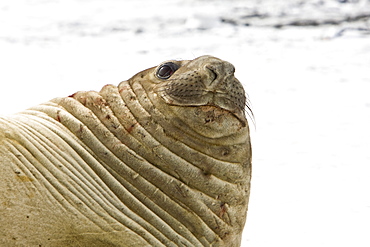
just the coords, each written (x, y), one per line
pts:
(164, 159)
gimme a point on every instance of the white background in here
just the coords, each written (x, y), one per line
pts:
(309, 87)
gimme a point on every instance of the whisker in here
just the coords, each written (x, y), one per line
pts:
(248, 110)
(249, 113)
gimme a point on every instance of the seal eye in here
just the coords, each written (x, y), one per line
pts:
(166, 70)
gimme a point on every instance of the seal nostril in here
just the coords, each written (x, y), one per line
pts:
(214, 75)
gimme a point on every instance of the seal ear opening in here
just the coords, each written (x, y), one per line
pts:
(166, 70)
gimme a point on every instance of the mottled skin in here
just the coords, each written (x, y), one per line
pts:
(164, 159)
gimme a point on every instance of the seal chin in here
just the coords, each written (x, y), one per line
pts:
(238, 114)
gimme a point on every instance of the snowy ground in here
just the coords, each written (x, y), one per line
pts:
(309, 86)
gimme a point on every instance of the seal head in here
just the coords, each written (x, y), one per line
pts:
(203, 92)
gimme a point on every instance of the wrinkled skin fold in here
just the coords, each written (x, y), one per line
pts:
(152, 162)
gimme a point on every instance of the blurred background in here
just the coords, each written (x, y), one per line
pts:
(304, 64)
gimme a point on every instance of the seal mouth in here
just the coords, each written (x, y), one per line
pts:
(208, 100)
(223, 101)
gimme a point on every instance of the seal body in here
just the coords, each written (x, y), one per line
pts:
(164, 159)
